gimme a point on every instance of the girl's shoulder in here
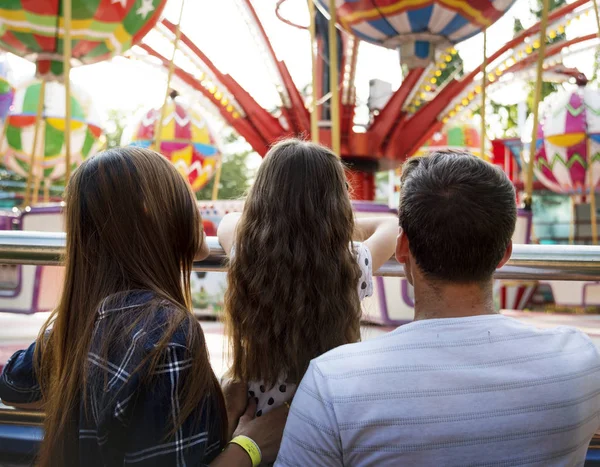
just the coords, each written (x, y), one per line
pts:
(145, 317)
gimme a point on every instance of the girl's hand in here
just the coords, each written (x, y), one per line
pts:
(236, 401)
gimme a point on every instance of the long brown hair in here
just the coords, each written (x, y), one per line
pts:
(132, 224)
(292, 281)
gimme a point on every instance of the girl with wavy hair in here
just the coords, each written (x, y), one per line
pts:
(295, 279)
(121, 367)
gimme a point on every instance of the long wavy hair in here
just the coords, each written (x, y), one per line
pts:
(292, 282)
(132, 223)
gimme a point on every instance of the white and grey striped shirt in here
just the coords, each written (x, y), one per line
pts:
(485, 390)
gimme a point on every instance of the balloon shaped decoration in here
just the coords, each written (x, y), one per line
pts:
(7, 92)
(569, 142)
(50, 151)
(185, 140)
(460, 137)
(418, 27)
(100, 29)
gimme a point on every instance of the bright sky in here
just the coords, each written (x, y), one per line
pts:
(218, 28)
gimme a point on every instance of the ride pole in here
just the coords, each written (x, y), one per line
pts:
(3, 135)
(483, 86)
(215, 190)
(67, 13)
(334, 81)
(314, 116)
(38, 120)
(593, 216)
(163, 110)
(536, 102)
(597, 16)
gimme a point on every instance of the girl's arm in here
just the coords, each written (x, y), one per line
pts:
(379, 235)
(226, 230)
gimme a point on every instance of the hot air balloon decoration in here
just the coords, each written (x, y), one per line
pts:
(462, 137)
(416, 28)
(49, 155)
(568, 142)
(100, 29)
(185, 140)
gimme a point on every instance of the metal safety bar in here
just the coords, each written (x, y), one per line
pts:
(541, 262)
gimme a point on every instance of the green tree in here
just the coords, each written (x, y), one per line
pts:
(235, 174)
(115, 124)
(235, 177)
(454, 67)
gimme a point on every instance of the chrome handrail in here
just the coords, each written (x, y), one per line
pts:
(539, 262)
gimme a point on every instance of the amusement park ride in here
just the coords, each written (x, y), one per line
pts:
(46, 134)
(48, 127)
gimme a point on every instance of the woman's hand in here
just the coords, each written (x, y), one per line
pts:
(266, 431)
(236, 401)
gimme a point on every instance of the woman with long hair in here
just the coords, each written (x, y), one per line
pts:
(121, 367)
(295, 280)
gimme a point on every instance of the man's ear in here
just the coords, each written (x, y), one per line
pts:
(402, 249)
(507, 255)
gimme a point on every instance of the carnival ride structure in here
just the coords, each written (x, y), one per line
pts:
(433, 92)
(427, 99)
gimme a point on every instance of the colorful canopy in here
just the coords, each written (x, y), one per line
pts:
(461, 137)
(417, 27)
(100, 29)
(568, 141)
(50, 152)
(185, 140)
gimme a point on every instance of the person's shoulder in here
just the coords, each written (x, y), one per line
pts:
(352, 357)
(154, 314)
(561, 333)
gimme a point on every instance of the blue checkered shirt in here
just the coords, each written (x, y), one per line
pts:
(129, 417)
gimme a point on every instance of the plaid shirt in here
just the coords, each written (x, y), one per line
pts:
(128, 419)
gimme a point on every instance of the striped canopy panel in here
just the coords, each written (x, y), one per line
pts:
(417, 27)
(185, 140)
(50, 149)
(460, 137)
(7, 92)
(568, 143)
(100, 29)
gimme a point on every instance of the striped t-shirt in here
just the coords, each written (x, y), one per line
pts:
(484, 390)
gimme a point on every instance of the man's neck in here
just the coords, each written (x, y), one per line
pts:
(434, 301)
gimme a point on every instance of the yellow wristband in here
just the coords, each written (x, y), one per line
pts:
(250, 447)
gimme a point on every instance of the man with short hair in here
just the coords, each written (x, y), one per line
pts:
(462, 384)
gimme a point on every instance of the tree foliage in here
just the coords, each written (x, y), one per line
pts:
(235, 177)
(508, 113)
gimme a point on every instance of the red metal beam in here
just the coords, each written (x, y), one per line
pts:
(421, 126)
(298, 115)
(389, 115)
(269, 127)
(550, 51)
(241, 125)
